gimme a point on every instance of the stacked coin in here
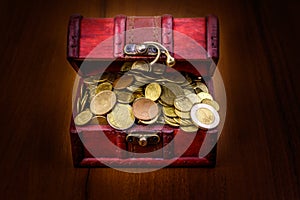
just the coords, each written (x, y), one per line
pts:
(144, 94)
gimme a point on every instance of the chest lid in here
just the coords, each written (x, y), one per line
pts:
(104, 40)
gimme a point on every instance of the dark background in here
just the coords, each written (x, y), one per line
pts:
(258, 151)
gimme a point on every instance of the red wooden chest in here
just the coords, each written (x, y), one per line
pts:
(96, 46)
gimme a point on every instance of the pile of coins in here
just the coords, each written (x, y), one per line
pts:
(144, 94)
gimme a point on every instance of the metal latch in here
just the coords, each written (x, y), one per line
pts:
(143, 139)
(149, 49)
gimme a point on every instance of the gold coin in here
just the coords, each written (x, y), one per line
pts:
(123, 82)
(153, 91)
(152, 121)
(193, 98)
(98, 120)
(103, 102)
(126, 66)
(138, 94)
(175, 89)
(169, 111)
(212, 103)
(183, 122)
(204, 95)
(125, 97)
(205, 116)
(171, 123)
(121, 117)
(162, 103)
(103, 86)
(183, 104)
(145, 109)
(167, 96)
(184, 115)
(201, 86)
(188, 91)
(83, 118)
(141, 65)
(189, 128)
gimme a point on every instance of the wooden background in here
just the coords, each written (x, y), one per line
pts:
(258, 152)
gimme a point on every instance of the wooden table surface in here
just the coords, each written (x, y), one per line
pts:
(258, 151)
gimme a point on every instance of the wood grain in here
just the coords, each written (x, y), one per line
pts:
(258, 151)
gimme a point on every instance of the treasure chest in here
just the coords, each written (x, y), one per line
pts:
(144, 95)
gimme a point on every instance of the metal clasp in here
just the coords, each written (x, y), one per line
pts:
(143, 139)
(149, 48)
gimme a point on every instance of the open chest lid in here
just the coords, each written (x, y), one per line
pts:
(191, 41)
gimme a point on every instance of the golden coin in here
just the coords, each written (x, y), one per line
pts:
(175, 89)
(125, 97)
(162, 103)
(188, 91)
(153, 91)
(184, 115)
(201, 86)
(204, 95)
(103, 86)
(126, 66)
(103, 102)
(141, 65)
(169, 119)
(83, 118)
(169, 111)
(193, 98)
(167, 96)
(98, 120)
(121, 117)
(183, 122)
(172, 123)
(152, 121)
(183, 104)
(123, 82)
(145, 109)
(212, 103)
(138, 94)
(205, 116)
(189, 128)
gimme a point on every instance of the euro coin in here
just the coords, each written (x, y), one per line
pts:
(123, 82)
(184, 115)
(204, 95)
(98, 120)
(183, 104)
(205, 116)
(103, 102)
(103, 86)
(83, 118)
(167, 96)
(183, 122)
(152, 121)
(141, 65)
(153, 91)
(125, 97)
(145, 109)
(212, 103)
(201, 86)
(189, 129)
(169, 111)
(193, 98)
(121, 117)
(126, 67)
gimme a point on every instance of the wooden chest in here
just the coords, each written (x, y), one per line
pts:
(96, 46)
